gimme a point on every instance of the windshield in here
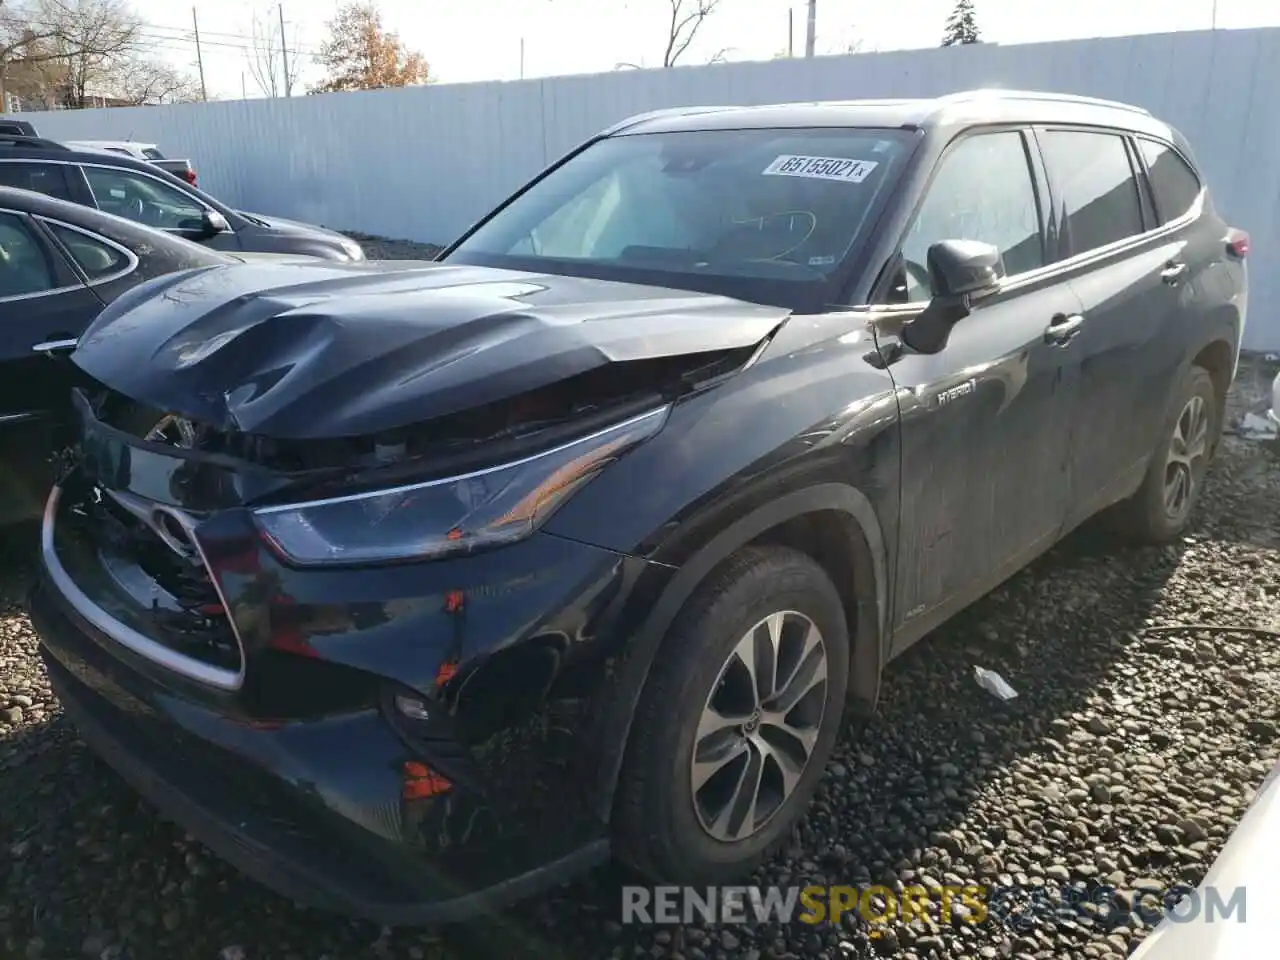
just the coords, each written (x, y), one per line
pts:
(778, 207)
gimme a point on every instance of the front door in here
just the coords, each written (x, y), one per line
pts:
(985, 422)
(44, 306)
(154, 203)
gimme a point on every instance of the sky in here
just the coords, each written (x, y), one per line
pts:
(474, 40)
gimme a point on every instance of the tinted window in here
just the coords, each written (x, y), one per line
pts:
(46, 178)
(96, 258)
(740, 205)
(1095, 185)
(1174, 183)
(982, 190)
(24, 268)
(143, 199)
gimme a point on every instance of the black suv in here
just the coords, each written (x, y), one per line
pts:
(451, 580)
(142, 192)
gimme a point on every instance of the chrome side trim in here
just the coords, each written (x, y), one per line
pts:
(50, 345)
(122, 633)
(25, 417)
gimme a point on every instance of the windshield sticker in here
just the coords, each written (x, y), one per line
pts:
(821, 168)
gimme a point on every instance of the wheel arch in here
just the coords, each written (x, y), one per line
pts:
(835, 524)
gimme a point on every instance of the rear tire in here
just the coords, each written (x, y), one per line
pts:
(1161, 509)
(717, 769)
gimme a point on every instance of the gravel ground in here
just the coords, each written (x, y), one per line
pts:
(1127, 758)
(384, 248)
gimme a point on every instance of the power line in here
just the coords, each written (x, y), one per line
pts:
(185, 36)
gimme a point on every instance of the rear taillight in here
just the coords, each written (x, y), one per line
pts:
(189, 176)
(1237, 243)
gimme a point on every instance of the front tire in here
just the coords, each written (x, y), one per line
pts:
(736, 722)
(1161, 509)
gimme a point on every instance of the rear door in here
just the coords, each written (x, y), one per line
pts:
(51, 179)
(44, 304)
(985, 421)
(1130, 278)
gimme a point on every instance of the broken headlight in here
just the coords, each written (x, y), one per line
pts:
(436, 518)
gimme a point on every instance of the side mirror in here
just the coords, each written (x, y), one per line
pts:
(213, 223)
(959, 268)
(958, 271)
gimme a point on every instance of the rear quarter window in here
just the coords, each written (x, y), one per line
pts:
(95, 257)
(1174, 184)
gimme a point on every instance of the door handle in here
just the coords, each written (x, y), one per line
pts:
(54, 346)
(1063, 328)
(1173, 271)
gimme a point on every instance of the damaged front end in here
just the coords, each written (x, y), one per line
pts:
(358, 647)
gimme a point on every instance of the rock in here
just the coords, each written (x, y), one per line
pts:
(1261, 729)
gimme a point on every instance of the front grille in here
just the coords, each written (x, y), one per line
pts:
(186, 613)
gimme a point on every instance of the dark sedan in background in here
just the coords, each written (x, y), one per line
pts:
(60, 263)
(140, 191)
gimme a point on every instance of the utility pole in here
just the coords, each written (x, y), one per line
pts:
(244, 90)
(284, 52)
(791, 31)
(1214, 25)
(195, 23)
(811, 35)
(522, 58)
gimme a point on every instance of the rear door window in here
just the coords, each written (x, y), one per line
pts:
(1097, 192)
(47, 178)
(1173, 182)
(24, 266)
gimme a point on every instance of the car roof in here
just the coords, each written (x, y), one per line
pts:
(963, 109)
(39, 148)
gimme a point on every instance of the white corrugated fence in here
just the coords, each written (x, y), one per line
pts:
(423, 163)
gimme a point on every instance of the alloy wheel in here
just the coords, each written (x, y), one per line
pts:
(1188, 451)
(759, 726)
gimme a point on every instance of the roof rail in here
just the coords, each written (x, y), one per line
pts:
(35, 143)
(964, 96)
(655, 114)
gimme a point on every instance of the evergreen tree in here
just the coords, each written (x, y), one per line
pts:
(962, 25)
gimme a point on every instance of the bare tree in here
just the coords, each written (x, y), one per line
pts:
(266, 65)
(92, 38)
(140, 80)
(26, 29)
(687, 18)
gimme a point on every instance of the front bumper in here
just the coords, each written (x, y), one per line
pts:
(310, 809)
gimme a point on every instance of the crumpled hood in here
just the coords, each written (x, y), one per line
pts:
(293, 350)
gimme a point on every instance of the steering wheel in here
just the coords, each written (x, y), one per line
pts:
(135, 209)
